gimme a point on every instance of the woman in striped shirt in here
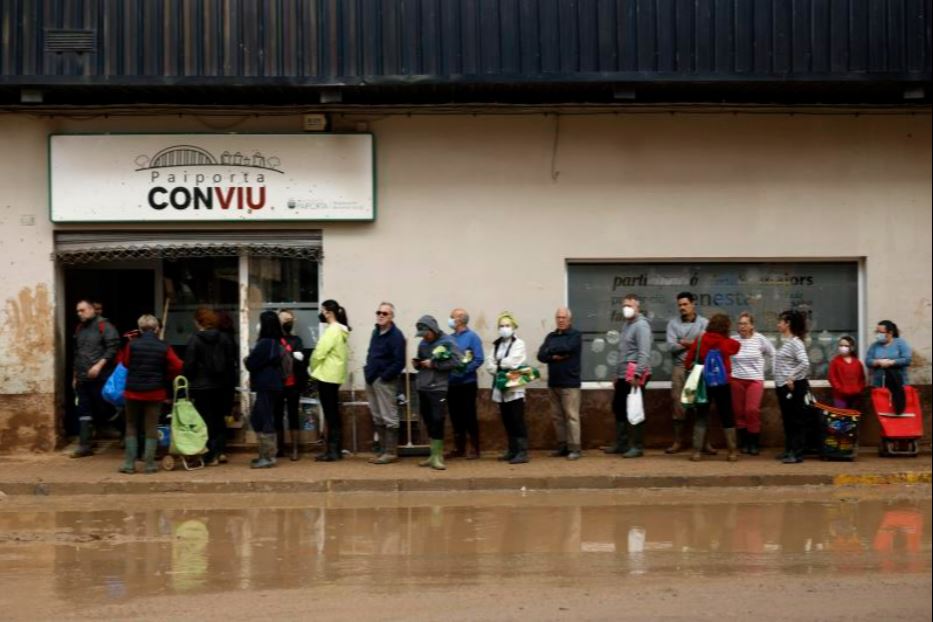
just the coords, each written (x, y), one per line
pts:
(791, 368)
(748, 383)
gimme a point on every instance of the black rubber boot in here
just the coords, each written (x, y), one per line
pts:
(510, 452)
(743, 435)
(331, 454)
(753, 444)
(636, 451)
(621, 440)
(521, 451)
(562, 451)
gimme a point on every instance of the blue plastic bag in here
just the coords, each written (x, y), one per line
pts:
(115, 385)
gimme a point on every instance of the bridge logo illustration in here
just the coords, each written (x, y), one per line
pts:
(178, 156)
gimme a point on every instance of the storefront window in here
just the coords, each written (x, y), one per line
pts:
(189, 283)
(285, 283)
(827, 292)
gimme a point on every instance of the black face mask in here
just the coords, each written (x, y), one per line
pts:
(287, 326)
(322, 318)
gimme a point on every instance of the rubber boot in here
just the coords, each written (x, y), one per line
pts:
(437, 455)
(389, 446)
(561, 452)
(699, 438)
(296, 450)
(84, 441)
(510, 452)
(521, 451)
(149, 456)
(677, 445)
(754, 447)
(743, 440)
(268, 446)
(130, 447)
(331, 454)
(635, 451)
(381, 431)
(621, 445)
(733, 455)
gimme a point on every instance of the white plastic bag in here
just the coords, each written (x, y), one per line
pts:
(635, 406)
(688, 397)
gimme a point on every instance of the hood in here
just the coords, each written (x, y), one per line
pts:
(429, 322)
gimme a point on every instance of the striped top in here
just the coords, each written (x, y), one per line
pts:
(791, 362)
(749, 363)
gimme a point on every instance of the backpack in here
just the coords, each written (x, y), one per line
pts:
(714, 370)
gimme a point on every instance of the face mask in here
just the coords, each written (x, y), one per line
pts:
(628, 312)
(881, 337)
(322, 318)
(451, 323)
(505, 331)
(287, 326)
(844, 350)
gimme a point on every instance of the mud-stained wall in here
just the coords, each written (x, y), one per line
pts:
(462, 198)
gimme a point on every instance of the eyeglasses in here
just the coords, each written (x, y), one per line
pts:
(383, 313)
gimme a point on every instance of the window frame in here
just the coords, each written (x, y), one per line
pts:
(666, 384)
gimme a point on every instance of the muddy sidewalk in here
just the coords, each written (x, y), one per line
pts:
(57, 474)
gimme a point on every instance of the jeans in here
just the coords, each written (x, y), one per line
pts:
(620, 409)
(145, 412)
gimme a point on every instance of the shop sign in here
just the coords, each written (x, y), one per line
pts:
(211, 177)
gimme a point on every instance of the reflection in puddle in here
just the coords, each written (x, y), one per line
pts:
(112, 555)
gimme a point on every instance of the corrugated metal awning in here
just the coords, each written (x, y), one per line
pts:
(91, 247)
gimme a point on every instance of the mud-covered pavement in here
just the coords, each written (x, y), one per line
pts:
(768, 553)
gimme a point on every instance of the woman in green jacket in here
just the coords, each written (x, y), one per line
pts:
(329, 368)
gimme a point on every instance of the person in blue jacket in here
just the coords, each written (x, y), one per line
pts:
(461, 390)
(266, 379)
(889, 352)
(385, 361)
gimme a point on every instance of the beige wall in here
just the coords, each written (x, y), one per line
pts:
(483, 211)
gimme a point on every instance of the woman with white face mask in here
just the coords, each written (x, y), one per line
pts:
(847, 375)
(888, 354)
(508, 355)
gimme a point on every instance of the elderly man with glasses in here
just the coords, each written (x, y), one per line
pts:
(385, 361)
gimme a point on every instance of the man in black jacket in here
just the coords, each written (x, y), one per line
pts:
(561, 351)
(96, 345)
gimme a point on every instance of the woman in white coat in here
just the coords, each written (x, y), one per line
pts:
(508, 355)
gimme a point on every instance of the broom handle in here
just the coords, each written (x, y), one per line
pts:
(408, 405)
(164, 317)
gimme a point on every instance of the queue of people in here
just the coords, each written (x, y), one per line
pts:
(447, 366)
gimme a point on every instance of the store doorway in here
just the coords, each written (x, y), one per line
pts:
(123, 293)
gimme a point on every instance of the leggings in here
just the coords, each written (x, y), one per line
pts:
(329, 394)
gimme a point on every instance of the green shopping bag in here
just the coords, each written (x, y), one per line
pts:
(189, 432)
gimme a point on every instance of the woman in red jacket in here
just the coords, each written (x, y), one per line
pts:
(847, 376)
(716, 337)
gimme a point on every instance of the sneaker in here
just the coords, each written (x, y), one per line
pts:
(574, 455)
(634, 452)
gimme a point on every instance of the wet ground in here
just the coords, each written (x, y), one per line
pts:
(776, 553)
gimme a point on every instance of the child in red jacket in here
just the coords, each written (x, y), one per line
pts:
(847, 376)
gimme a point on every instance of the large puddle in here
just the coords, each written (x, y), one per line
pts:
(84, 554)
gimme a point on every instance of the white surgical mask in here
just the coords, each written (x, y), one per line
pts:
(881, 337)
(451, 323)
(505, 331)
(844, 350)
(628, 312)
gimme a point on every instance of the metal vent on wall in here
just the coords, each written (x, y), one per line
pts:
(83, 248)
(70, 41)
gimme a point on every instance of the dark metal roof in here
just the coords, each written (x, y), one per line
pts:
(487, 46)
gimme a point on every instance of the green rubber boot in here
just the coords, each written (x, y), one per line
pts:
(437, 455)
(149, 452)
(130, 447)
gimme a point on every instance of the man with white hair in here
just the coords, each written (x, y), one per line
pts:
(462, 389)
(385, 361)
(561, 351)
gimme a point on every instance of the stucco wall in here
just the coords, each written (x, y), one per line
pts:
(483, 212)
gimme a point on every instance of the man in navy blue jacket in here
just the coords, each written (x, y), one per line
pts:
(561, 351)
(385, 361)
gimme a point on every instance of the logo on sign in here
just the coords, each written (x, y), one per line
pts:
(190, 177)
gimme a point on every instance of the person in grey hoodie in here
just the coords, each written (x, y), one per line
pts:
(437, 356)
(633, 370)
